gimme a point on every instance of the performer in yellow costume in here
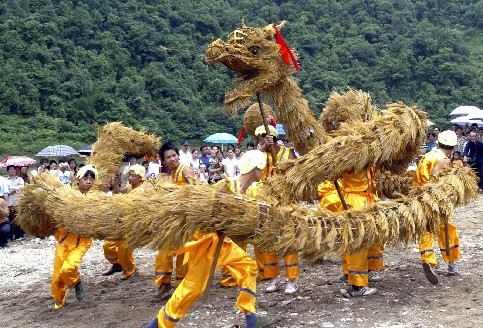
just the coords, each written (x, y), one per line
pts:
(251, 167)
(70, 250)
(358, 190)
(163, 266)
(201, 256)
(117, 252)
(268, 262)
(431, 165)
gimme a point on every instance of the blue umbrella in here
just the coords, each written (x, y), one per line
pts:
(221, 138)
(280, 129)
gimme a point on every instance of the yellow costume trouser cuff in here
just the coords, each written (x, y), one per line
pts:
(357, 268)
(426, 244)
(163, 268)
(268, 265)
(117, 252)
(375, 260)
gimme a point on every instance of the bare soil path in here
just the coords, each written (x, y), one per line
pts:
(405, 298)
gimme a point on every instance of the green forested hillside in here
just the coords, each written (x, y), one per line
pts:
(65, 64)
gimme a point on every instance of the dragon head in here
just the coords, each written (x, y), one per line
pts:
(256, 56)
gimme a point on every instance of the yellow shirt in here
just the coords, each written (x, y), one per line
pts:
(426, 166)
(270, 170)
(358, 189)
(178, 175)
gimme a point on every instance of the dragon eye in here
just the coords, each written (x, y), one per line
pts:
(254, 50)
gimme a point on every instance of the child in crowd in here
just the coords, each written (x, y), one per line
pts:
(202, 175)
(457, 161)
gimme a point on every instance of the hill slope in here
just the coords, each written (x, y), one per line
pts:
(68, 63)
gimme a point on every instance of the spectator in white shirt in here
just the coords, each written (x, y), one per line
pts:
(185, 154)
(125, 170)
(3, 188)
(14, 183)
(230, 164)
(237, 152)
(195, 161)
(64, 174)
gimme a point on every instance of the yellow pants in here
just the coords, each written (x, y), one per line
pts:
(117, 252)
(240, 265)
(163, 268)
(268, 265)
(227, 279)
(357, 265)
(68, 256)
(426, 244)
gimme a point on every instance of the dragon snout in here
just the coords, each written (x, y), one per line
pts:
(216, 49)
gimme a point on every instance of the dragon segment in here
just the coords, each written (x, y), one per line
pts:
(262, 59)
(352, 133)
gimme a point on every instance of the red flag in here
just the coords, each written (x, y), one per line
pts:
(241, 135)
(285, 51)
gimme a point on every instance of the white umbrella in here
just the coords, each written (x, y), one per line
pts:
(464, 110)
(475, 116)
(17, 161)
(463, 120)
(57, 150)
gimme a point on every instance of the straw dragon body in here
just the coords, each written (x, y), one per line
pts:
(157, 218)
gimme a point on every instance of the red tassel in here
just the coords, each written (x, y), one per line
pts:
(241, 135)
(273, 122)
(285, 51)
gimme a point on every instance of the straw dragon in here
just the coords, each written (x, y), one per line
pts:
(156, 219)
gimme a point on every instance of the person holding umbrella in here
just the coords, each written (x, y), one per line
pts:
(15, 184)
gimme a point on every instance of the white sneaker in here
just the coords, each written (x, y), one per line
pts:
(274, 284)
(362, 291)
(374, 276)
(452, 269)
(292, 287)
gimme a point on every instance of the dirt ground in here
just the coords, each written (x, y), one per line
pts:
(404, 299)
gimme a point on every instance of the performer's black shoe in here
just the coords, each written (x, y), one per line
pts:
(429, 273)
(80, 291)
(114, 268)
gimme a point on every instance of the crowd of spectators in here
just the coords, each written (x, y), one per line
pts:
(16, 179)
(468, 151)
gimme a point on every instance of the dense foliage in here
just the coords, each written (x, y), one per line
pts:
(65, 64)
